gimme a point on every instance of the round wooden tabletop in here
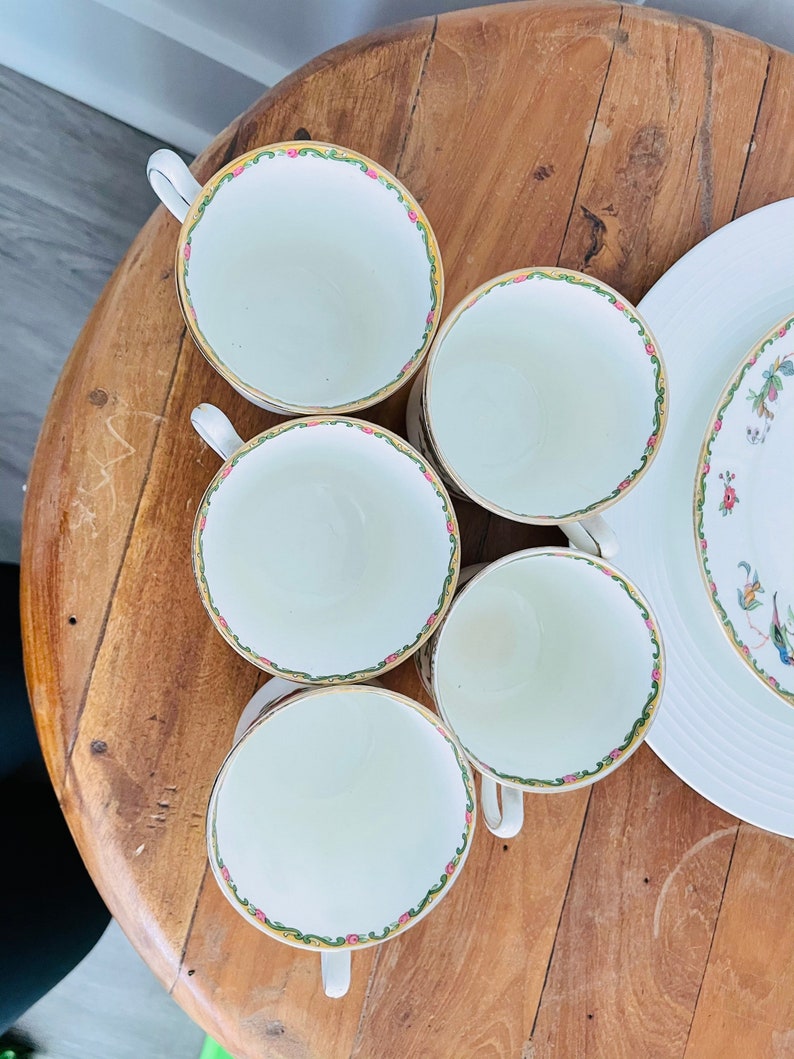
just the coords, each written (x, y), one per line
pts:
(632, 918)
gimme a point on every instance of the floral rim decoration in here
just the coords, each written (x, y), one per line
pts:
(351, 940)
(295, 150)
(722, 487)
(638, 728)
(399, 653)
(646, 343)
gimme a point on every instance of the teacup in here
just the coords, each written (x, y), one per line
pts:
(307, 274)
(339, 819)
(543, 400)
(325, 550)
(549, 670)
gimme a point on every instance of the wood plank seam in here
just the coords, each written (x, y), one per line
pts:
(365, 1006)
(562, 911)
(575, 197)
(189, 931)
(711, 942)
(751, 144)
(109, 607)
(417, 93)
(705, 154)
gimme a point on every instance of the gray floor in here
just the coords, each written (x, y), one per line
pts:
(111, 1007)
(73, 193)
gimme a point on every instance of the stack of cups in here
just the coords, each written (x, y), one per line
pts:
(326, 549)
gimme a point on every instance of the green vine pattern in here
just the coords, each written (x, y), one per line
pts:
(561, 276)
(331, 154)
(632, 736)
(759, 400)
(771, 387)
(268, 664)
(357, 939)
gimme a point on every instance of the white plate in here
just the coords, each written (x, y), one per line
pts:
(744, 513)
(718, 728)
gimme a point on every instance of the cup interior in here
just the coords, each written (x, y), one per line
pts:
(310, 277)
(340, 816)
(548, 668)
(544, 395)
(325, 550)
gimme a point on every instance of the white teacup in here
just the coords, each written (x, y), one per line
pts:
(549, 670)
(339, 819)
(543, 400)
(324, 550)
(307, 274)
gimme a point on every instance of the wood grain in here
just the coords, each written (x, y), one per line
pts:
(667, 149)
(575, 131)
(768, 175)
(637, 927)
(748, 989)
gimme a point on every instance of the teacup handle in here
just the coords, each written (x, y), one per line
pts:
(271, 692)
(507, 821)
(172, 181)
(593, 535)
(336, 972)
(214, 427)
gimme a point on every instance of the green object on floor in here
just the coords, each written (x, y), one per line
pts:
(212, 1050)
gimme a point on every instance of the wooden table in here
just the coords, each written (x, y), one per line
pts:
(629, 919)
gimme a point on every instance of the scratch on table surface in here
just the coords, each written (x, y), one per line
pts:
(106, 465)
(83, 515)
(783, 1044)
(693, 851)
